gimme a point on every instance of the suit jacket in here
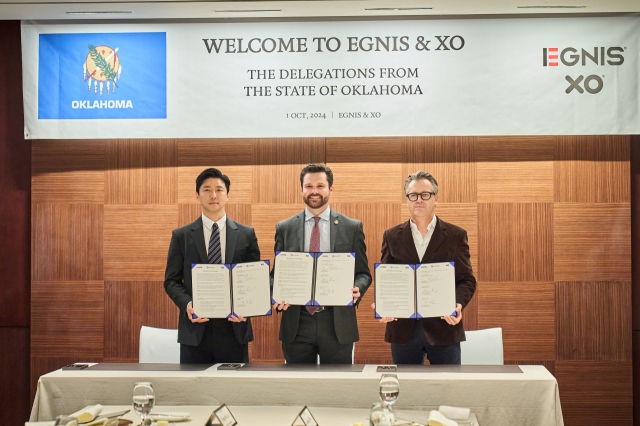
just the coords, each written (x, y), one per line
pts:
(448, 243)
(188, 247)
(346, 236)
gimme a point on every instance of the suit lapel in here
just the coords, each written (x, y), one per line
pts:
(334, 229)
(232, 240)
(439, 235)
(299, 231)
(406, 238)
(197, 233)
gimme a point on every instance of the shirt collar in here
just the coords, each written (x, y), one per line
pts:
(208, 223)
(325, 215)
(430, 227)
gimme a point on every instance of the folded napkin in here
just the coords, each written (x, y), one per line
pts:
(49, 423)
(87, 414)
(455, 413)
(436, 418)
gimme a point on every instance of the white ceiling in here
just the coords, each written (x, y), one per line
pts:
(335, 9)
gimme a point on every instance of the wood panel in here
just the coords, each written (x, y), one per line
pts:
(141, 172)
(463, 215)
(600, 329)
(592, 242)
(66, 241)
(14, 370)
(591, 169)
(366, 167)
(129, 306)
(232, 157)
(515, 242)
(451, 160)
(277, 164)
(266, 347)
(67, 318)
(264, 221)
(76, 175)
(526, 313)
(136, 241)
(515, 169)
(595, 392)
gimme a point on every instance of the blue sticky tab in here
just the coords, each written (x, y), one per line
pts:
(419, 316)
(453, 264)
(278, 252)
(226, 265)
(233, 265)
(315, 303)
(318, 254)
(193, 265)
(412, 316)
(350, 303)
(375, 265)
(378, 315)
(267, 262)
(273, 301)
(229, 316)
(353, 254)
(308, 303)
(194, 316)
(413, 267)
(269, 312)
(454, 314)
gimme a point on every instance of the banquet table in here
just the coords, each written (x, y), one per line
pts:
(527, 395)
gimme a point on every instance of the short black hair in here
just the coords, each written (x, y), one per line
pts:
(316, 168)
(212, 173)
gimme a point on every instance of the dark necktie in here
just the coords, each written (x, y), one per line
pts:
(215, 254)
(314, 247)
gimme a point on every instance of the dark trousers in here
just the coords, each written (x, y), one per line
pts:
(218, 344)
(317, 336)
(415, 350)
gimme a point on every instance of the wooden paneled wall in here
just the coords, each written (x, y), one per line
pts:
(548, 220)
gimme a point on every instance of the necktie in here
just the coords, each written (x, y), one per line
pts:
(214, 255)
(314, 247)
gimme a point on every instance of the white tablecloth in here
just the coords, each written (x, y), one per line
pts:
(527, 398)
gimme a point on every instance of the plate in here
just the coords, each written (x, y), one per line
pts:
(170, 417)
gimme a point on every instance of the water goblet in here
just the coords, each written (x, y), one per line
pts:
(389, 389)
(143, 400)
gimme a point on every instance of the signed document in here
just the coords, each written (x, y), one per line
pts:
(415, 291)
(334, 279)
(293, 279)
(222, 290)
(314, 278)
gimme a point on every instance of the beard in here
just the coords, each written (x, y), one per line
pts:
(316, 203)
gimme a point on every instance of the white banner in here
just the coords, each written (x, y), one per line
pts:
(530, 76)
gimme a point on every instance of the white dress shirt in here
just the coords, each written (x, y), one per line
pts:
(208, 224)
(325, 229)
(422, 243)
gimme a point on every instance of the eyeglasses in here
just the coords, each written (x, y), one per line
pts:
(425, 196)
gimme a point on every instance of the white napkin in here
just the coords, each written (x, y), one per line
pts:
(436, 418)
(87, 413)
(455, 413)
(49, 423)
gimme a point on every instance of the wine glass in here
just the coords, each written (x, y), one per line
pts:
(143, 399)
(389, 389)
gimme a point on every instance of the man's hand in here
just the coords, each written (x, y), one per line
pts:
(282, 306)
(451, 320)
(237, 318)
(385, 319)
(190, 313)
(356, 294)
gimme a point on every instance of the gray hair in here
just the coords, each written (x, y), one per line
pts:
(420, 175)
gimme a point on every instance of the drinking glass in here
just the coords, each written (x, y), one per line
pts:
(389, 389)
(143, 399)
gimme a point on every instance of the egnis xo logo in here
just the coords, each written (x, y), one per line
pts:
(102, 67)
(81, 76)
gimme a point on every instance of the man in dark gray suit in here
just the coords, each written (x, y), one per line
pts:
(327, 331)
(212, 238)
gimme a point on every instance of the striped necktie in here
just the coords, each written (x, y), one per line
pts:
(314, 247)
(215, 254)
